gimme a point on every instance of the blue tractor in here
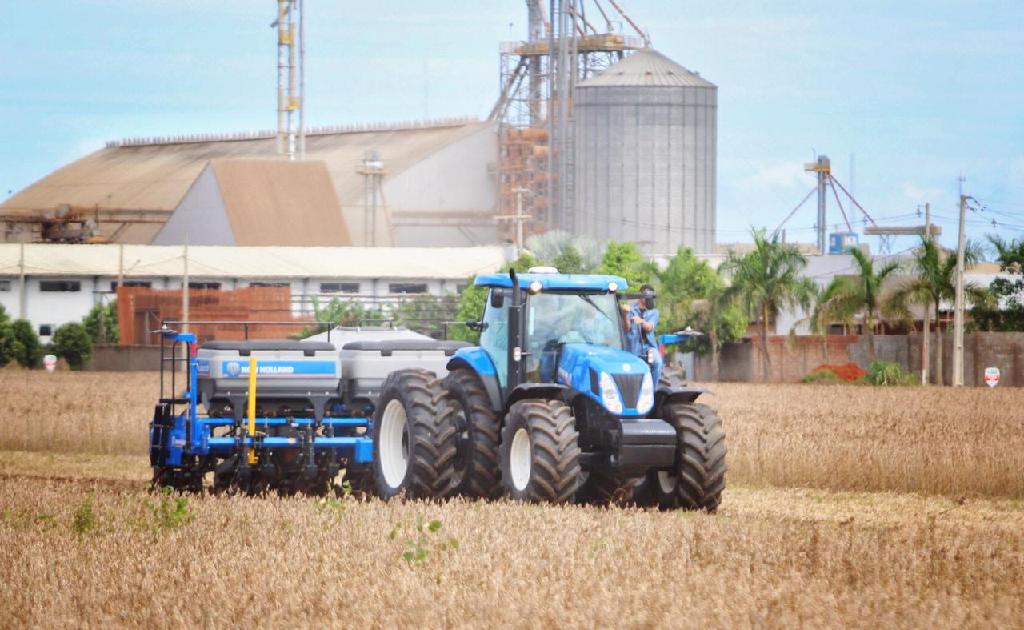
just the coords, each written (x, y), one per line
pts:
(551, 407)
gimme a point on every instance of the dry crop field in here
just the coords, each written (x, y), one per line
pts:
(847, 506)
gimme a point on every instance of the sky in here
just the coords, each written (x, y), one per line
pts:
(904, 97)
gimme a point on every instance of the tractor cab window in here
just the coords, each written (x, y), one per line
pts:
(494, 338)
(554, 319)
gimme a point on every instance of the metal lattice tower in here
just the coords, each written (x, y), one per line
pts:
(574, 41)
(290, 83)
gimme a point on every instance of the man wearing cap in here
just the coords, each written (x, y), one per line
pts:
(641, 322)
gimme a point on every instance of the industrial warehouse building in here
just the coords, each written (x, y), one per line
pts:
(435, 183)
(644, 170)
(51, 284)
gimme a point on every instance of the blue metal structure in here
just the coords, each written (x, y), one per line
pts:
(290, 453)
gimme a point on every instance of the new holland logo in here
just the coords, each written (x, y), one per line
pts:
(233, 368)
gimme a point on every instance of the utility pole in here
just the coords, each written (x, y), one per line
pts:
(958, 312)
(926, 343)
(519, 218)
(184, 287)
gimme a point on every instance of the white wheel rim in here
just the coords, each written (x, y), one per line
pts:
(393, 449)
(667, 481)
(519, 459)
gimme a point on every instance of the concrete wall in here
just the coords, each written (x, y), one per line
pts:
(792, 358)
(200, 214)
(125, 358)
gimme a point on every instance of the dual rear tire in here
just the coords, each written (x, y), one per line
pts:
(414, 437)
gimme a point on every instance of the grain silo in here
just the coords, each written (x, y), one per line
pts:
(645, 156)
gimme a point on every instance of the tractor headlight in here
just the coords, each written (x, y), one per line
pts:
(613, 287)
(646, 399)
(610, 396)
(536, 286)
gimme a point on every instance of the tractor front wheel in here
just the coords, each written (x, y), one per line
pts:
(414, 437)
(698, 478)
(540, 453)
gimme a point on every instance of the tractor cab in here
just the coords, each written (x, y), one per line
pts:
(567, 330)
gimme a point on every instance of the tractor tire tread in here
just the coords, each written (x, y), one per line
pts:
(701, 455)
(481, 477)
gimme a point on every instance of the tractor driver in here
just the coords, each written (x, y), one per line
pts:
(640, 323)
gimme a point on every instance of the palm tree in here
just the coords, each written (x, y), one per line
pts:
(865, 291)
(934, 281)
(768, 279)
(836, 302)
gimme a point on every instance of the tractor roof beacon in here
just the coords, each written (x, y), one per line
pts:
(554, 408)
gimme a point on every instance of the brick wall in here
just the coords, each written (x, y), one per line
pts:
(792, 358)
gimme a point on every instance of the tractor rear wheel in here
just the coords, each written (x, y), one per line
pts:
(477, 472)
(540, 452)
(698, 478)
(414, 436)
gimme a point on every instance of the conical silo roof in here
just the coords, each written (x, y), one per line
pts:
(647, 67)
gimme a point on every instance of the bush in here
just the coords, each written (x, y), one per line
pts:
(821, 376)
(101, 323)
(26, 349)
(6, 338)
(71, 342)
(886, 373)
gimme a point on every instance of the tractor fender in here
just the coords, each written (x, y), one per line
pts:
(478, 361)
(544, 391)
(676, 394)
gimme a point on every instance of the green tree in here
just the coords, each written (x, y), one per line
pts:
(101, 323)
(425, 313)
(26, 349)
(1006, 310)
(6, 338)
(625, 260)
(685, 279)
(569, 261)
(934, 281)
(768, 279)
(720, 318)
(472, 299)
(72, 342)
(837, 302)
(865, 290)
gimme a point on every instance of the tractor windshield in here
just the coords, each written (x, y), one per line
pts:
(556, 318)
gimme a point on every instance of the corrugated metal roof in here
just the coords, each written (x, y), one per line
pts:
(154, 175)
(148, 261)
(276, 202)
(647, 67)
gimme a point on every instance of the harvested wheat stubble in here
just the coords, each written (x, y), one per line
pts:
(769, 558)
(908, 439)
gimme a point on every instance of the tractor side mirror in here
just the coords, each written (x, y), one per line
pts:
(497, 298)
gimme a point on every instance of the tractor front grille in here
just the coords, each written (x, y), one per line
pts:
(629, 387)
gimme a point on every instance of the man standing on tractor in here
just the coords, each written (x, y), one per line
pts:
(641, 322)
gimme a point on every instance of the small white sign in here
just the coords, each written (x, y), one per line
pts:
(991, 376)
(50, 362)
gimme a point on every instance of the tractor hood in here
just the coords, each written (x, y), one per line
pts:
(617, 380)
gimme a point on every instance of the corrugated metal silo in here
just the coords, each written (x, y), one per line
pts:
(645, 135)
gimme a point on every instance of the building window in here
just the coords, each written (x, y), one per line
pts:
(60, 285)
(339, 287)
(5, 285)
(461, 287)
(407, 287)
(212, 286)
(270, 284)
(141, 284)
(45, 330)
